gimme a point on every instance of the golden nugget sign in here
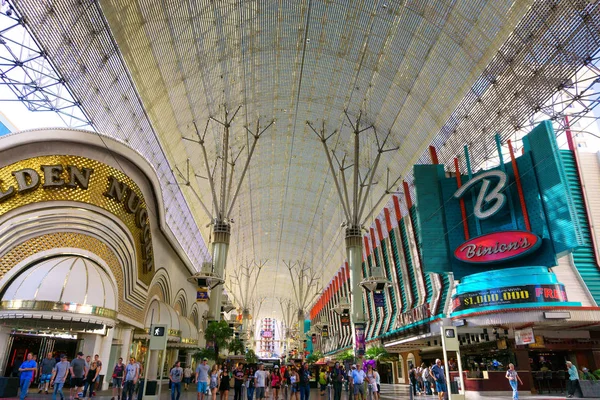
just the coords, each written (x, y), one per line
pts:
(73, 178)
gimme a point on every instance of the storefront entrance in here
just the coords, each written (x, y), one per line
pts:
(21, 345)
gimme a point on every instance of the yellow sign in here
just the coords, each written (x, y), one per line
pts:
(539, 343)
(80, 179)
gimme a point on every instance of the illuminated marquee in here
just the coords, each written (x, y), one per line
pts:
(80, 179)
(499, 230)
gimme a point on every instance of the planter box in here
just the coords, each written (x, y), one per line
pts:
(590, 388)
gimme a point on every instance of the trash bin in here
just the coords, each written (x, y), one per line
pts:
(151, 388)
(454, 387)
(9, 387)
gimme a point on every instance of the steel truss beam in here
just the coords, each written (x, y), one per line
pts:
(27, 72)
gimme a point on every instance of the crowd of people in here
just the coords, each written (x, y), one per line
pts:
(279, 382)
(290, 381)
(84, 375)
(425, 380)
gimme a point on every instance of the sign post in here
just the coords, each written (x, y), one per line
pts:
(450, 343)
(158, 342)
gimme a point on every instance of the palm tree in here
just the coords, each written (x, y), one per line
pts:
(377, 353)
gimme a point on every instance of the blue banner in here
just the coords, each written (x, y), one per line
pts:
(378, 299)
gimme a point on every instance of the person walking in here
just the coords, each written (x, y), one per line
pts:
(372, 382)
(214, 381)
(250, 384)
(59, 376)
(260, 381)
(276, 382)
(573, 382)
(187, 376)
(513, 379)
(305, 382)
(426, 376)
(440, 379)
(238, 382)
(201, 380)
(117, 379)
(225, 385)
(27, 369)
(132, 374)
(99, 375)
(294, 379)
(176, 376)
(45, 372)
(90, 379)
(78, 371)
(337, 377)
(358, 378)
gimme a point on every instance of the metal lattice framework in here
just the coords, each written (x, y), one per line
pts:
(47, 78)
(29, 76)
(446, 73)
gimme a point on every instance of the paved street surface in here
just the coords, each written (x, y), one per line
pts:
(388, 392)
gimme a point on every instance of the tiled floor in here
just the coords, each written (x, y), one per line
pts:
(388, 392)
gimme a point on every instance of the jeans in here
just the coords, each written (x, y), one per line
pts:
(88, 387)
(337, 390)
(250, 393)
(304, 392)
(175, 386)
(238, 391)
(58, 390)
(128, 387)
(24, 385)
(514, 384)
(427, 387)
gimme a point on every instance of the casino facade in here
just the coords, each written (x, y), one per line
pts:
(518, 282)
(86, 261)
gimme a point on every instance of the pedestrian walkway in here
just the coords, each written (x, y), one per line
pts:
(388, 392)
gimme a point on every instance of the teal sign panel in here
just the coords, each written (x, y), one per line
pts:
(493, 208)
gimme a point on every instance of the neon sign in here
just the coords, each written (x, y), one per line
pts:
(495, 195)
(497, 247)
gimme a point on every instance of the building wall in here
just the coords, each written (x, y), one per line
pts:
(97, 227)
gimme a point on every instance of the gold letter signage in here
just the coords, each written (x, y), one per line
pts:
(80, 179)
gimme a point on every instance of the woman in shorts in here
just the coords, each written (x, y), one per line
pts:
(214, 381)
(117, 379)
(294, 379)
(372, 380)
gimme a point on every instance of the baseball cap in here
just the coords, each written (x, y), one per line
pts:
(205, 359)
(80, 353)
(63, 356)
(276, 367)
(353, 365)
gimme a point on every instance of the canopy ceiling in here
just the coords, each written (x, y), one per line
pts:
(404, 66)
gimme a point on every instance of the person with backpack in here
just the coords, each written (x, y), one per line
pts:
(337, 378)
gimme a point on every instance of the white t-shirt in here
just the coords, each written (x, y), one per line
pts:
(261, 378)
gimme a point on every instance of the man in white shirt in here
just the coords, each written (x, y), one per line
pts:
(260, 379)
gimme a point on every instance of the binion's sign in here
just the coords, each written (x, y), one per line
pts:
(498, 247)
(518, 214)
